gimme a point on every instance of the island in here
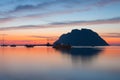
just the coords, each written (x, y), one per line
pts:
(83, 37)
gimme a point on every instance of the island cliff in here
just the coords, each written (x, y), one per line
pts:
(83, 37)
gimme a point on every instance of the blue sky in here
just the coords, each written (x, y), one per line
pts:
(59, 15)
(35, 12)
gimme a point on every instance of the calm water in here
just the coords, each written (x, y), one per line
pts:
(46, 63)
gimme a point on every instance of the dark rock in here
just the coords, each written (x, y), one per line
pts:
(83, 37)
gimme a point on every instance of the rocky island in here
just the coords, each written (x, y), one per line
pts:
(83, 37)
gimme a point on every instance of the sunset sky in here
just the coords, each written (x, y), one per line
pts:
(35, 21)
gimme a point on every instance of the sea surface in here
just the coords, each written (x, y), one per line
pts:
(47, 63)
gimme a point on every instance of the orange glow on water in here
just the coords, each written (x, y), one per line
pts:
(37, 57)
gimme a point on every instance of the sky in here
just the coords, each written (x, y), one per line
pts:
(37, 21)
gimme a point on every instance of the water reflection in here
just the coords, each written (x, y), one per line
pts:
(46, 63)
(83, 54)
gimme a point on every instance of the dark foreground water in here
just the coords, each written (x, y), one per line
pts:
(46, 63)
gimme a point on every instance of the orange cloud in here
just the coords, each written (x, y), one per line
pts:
(112, 41)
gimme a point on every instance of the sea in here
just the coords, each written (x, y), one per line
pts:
(47, 63)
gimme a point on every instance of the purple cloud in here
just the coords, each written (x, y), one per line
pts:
(64, 24)
(112, 35)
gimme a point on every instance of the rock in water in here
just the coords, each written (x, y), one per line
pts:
(83, 37)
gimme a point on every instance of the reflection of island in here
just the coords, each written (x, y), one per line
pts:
(83, 54)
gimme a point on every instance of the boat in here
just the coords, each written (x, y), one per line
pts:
(4, 45)
(62, 46)
(13, 45)
(48, 44)
(29, 46)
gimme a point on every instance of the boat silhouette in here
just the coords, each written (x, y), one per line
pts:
(12, 45)
(29, 46)
(4, 45)
(48, 44)
(62, 46)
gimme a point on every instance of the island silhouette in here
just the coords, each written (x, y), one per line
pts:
(83, 37)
